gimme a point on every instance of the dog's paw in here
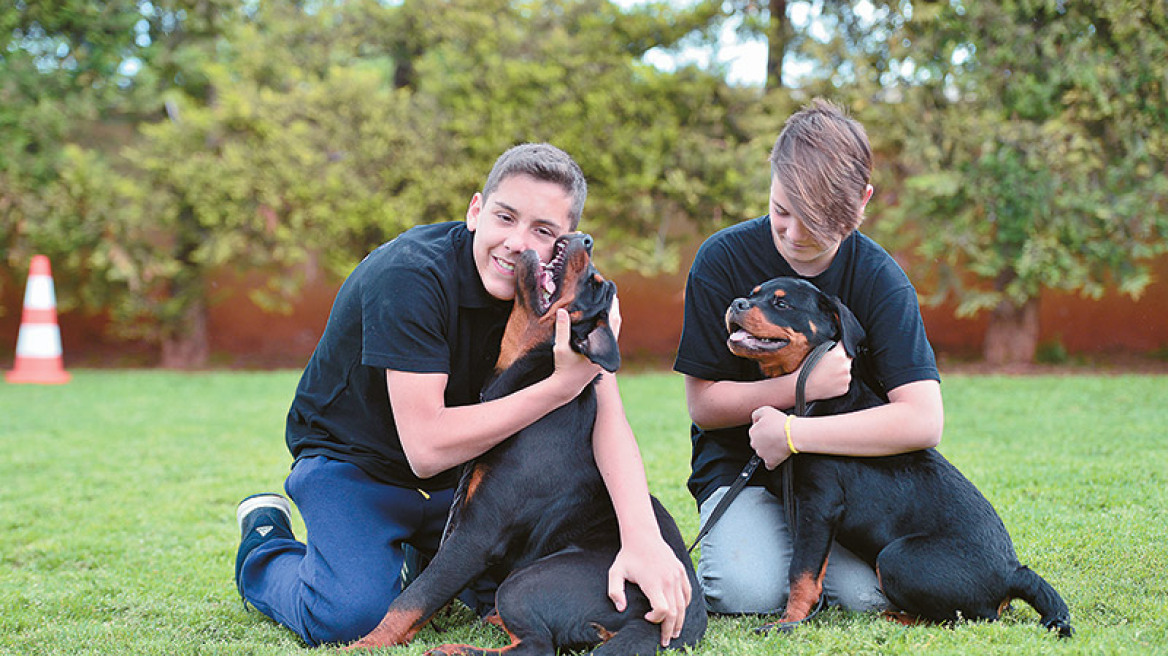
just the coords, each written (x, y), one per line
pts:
(1061, 627)
(776, 627)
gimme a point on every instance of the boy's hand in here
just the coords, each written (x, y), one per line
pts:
(656, 570)
(831, 377)
(573, 370)
(768, 436)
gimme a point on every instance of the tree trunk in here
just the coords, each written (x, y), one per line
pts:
(778, 36)
(1012, 335)
(189, 347)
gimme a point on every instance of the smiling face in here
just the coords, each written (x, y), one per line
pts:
(523, 213)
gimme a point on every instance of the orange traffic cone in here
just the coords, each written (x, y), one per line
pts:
(38, 346)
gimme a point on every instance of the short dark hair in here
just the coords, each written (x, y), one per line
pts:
(544, 162)
(823, 160)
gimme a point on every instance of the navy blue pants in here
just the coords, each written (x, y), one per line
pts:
(337, 587)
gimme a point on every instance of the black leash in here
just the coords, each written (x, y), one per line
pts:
(788, 477)
(748, 471)
(785, 474)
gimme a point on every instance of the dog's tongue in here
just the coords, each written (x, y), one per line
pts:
(547, 279)
(739, 336)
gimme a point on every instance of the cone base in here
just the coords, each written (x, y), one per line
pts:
(28, 370)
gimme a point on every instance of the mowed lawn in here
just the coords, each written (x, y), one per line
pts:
(118, 491)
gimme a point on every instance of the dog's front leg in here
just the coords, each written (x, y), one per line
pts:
(812, 536)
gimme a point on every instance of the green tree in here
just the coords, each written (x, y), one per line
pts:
(1034, 152)
(292, 137)
(59, 70)
(77, 78)
(658, 148)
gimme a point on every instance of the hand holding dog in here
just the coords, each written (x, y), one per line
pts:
(574, 370)
(768, 436)
(653, 567)
(832, 375)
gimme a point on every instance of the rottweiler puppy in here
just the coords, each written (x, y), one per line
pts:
(940, 551)
(535, 507)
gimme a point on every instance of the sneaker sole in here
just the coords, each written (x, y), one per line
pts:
(257, 501)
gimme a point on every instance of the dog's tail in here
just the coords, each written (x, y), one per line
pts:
(1034, 590)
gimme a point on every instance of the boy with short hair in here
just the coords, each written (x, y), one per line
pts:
(388, 408)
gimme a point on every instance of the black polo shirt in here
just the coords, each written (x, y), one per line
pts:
(736, 259)
(415, 304)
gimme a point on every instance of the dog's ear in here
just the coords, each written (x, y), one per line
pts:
(599, 345)
(851, 333)
(594, 337)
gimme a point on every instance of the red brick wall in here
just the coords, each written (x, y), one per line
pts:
(242, 335)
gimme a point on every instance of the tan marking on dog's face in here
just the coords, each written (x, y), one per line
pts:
(775, 363)
(526, 327)
(786, 360)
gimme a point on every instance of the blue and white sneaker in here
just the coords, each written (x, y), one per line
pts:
(261, 517)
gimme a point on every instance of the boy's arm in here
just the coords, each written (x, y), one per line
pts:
(913, 419)
(436, 437)
(727, 403)
(644, 557)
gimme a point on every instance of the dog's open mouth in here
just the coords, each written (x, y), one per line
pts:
(742, 340)
(549, 276)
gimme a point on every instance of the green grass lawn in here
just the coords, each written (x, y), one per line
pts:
(118, 492)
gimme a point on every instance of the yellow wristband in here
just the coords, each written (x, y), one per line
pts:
(787, 429)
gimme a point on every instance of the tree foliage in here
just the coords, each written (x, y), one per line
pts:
(1037, 154)
(148, 145)
(289, 137)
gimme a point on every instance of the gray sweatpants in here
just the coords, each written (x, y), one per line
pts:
(745, 557)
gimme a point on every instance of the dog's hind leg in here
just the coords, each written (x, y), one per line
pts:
(956, 584)
(562, 600)
(637, 638)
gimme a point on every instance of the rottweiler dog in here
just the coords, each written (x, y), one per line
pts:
(535, 507)
(940, 551)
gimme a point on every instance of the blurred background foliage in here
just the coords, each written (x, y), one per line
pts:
(146, 145)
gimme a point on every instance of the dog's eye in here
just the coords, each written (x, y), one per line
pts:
(780, 303)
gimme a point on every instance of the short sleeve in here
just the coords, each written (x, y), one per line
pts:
(404, 314)
(702, 351)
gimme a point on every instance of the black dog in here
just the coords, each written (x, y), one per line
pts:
(535, 506)
(940, 551)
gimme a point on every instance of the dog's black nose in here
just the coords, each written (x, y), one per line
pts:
(741, 304)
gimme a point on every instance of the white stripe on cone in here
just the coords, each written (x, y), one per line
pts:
(39, 340)
(39, 294)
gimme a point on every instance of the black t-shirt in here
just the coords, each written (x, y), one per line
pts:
(415, 304)
(736, 259)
